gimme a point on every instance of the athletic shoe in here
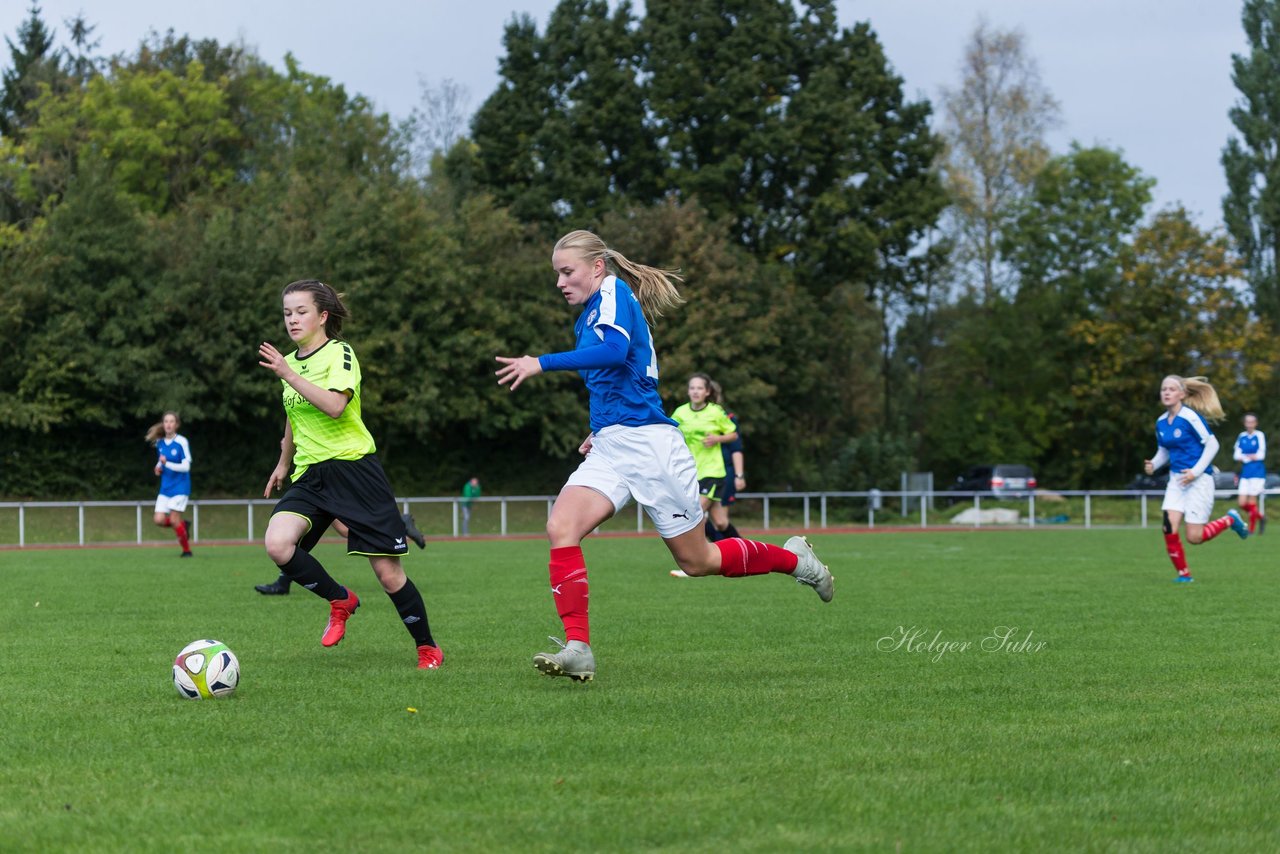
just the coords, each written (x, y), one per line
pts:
(430, 657)
(279, 587)
(339, 611)
(185, 554)
(573, 660)
(679, 573)
(1238, 524)
(412, 529)
(1262, 525)
(1184, 579)
(809, 570)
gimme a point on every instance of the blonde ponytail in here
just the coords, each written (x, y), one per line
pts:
(654, 287)
(1200, 396)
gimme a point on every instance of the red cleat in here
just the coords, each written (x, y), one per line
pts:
(430, 657)
(339, 611)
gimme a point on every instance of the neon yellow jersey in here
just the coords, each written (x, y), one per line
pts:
(316, 436)
(696, 425)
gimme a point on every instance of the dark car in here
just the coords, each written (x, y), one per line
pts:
(1003, 479)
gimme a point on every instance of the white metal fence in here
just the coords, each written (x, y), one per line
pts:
(107, 522)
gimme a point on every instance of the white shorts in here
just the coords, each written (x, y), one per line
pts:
(651, 464)
(1194, 502)
(1253, 485)
(170, 503)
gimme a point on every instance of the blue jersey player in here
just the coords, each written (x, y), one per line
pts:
(173, 466)
(634, 451)
(1187, 445)
(1250, 452)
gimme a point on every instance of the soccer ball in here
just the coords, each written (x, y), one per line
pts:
(204, 669)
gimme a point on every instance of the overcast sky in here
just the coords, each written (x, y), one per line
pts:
(1152, 77)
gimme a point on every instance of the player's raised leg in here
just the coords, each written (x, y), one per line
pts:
(284, 532)
(737, 558)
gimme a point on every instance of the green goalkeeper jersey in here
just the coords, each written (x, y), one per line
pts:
(696, 425)
(316, 436)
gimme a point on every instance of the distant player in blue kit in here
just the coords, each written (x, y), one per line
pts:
(1251, 451)
(1188, 446)
(173, 467)
(634, 450)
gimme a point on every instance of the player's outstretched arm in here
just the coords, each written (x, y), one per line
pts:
(517, 369)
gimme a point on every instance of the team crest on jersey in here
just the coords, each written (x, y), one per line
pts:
(592, 316)
(1177, 432)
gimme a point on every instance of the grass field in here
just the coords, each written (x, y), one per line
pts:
(728, 715)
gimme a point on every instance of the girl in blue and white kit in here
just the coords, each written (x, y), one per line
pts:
(1188, 446)
(173, 467)
(1250, 451)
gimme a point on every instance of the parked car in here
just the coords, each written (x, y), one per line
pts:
(1005, 480)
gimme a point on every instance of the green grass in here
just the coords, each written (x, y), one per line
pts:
(727, 714)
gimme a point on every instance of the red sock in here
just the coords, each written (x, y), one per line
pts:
(1173, 543)
(570, 590)
(166, 523)
(1254, 516)
(739, 557)
(1214, 528)
(180, 530)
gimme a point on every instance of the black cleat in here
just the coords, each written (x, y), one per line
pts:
(412, 530)
(186, 554)
(279, 587)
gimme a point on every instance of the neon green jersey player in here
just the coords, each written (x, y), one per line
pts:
(335, 473)
(706, 426)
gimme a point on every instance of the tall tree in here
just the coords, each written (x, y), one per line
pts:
(566, 136)
(996, 121)
(33, 61)
(1251, 208)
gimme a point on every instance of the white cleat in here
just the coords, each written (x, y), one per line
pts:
(810, 570)
(679, 573)
(573, 660)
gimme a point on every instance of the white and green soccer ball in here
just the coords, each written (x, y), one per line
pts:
(205, 669)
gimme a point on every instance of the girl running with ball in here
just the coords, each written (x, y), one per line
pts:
(634, 450)
(1188, 446)
(335, 473)
(1250, 451)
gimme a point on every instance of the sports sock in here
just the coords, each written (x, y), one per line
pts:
(180, 531)
(1173, 543)
(739, 557)
(710, 530)
(730, 531)
(1254, 516)
(413, 612)
(570, 590)
(1214, 528)
(307, 571)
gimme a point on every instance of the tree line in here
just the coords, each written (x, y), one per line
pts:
(879, 285)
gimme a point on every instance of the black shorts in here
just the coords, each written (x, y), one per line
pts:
(728, 492)
(709, 487)
(355, 491)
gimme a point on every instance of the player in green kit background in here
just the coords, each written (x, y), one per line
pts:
(335, 472)
(706, 426)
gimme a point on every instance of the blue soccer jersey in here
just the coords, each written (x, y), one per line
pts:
(1252, 445)
(176, 477)
(1184, 439)
(628, 394)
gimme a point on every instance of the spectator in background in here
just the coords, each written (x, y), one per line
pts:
(470, 492)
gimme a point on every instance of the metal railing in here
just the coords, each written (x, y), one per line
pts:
(754, 510)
